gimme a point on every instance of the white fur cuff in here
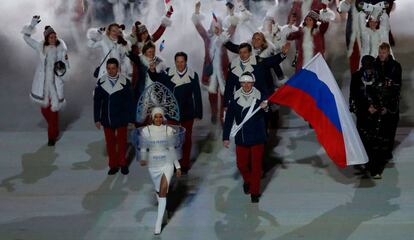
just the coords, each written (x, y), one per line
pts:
(94, 35)
(197, 18)
(327, 15)
(166, 22)
(233, 20)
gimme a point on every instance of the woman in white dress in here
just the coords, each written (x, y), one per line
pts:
(159, 153)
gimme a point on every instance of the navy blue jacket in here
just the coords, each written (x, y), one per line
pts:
(188, 94)
(260, 71)
(234, 48)
(253, 131)
(113, 106)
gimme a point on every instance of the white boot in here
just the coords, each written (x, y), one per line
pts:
(162, 203)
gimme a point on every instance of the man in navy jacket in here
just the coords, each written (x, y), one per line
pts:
(114, 109)
(184, 83)
(251, 138)
(247, 62)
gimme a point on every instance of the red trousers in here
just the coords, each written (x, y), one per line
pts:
(249, 163)
(116, 144)
(354, 58)
(52, 119)
(214, 102)
(188, 125)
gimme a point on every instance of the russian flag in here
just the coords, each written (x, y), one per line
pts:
(314, 94)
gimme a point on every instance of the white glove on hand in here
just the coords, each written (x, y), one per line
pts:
(35, 20)
(101, 30)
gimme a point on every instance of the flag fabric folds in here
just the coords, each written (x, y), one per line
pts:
(314, 94)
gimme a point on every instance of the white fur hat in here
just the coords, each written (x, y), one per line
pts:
(157, 110)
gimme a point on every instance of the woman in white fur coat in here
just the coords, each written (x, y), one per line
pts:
(112, 44)
(161, 157)
(47, 86)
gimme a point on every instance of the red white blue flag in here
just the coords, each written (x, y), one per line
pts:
(314, 94)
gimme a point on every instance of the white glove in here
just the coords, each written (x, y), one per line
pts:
(101, 30)
(35, 20)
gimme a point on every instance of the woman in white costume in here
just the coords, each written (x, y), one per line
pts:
(158, 151)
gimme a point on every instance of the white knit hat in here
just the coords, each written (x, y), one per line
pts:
(48, 30)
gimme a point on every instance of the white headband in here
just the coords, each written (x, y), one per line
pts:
(247, 78)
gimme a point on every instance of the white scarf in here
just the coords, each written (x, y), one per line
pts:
(180, 78)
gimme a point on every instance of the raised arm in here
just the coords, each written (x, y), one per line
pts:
(234, 48)
(323, 28)
(196, 19)
(295, 35)
(27, 32)
(275, 60)
(165, 22)
(95, 37)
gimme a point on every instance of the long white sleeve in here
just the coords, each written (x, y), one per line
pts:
(94, 37)
(385, 28)
(365, 36)
(27, 31)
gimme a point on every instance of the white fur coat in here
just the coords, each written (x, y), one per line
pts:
(96, 39)
(46, 85)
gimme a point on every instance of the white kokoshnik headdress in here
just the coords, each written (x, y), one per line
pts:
(157, 97)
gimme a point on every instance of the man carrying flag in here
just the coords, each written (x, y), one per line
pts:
(246, 109)
(314, 94)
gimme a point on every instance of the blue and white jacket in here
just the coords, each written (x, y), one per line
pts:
(254, 130)
(113, 104)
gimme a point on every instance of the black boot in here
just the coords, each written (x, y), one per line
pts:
(125, 170)
(112, 171)
(255, 198)
(51, 142)
(246, 188)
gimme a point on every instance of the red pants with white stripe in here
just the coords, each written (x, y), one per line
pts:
(52, 119)
(249, 163)
(116, 145)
